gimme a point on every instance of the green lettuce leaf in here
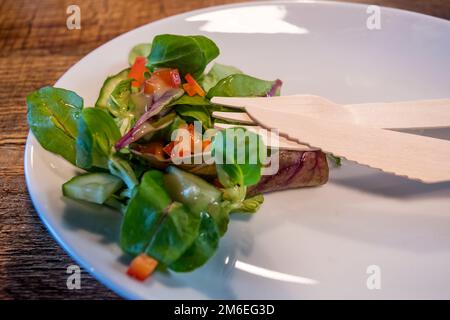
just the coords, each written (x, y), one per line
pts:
(203, 247)
(201, 197)
(249, 205)
(240, 85)
(155, 224)
(189, 54)
(198, 113)
(52, 117)
(192, 101)
(97, 134)
(217, 73)
(121, 106)
(139, 50)
(238, 157)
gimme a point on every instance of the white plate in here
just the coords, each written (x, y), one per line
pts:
(307, 243)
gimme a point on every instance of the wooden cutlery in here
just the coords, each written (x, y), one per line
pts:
(355, 132)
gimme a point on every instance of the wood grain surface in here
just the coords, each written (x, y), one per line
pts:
(35, 50)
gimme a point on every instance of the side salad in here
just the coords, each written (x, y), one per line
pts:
(173, 214)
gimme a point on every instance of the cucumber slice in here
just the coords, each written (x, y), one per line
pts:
(108, 86)
(92, 187)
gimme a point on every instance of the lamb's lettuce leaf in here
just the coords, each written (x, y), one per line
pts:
(154, 224)
(239, 155)
(203, 247)
(143, 213)
(189, 54)
(336, 161)
(207, 47)
(122, 169)
(121, 106)
(201, 197)
(97, 133)
(176, 232)
(240, 85)
(192, 101)
(52, 115)
(139, 50)
(218, 72)
(196, 113)
(200, 101)
(248, 205)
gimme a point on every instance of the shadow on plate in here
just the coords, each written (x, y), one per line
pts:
(92, 218)
(372, 181)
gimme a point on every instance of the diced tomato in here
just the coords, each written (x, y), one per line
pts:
(196, 139)
(149, 88)
(191, 131)
(155, 85)
(205, 144)
(170, 76)
(161, 80)
(193, 86)
(137, 71)
(154, 148)
(142, 267)
(168, 149)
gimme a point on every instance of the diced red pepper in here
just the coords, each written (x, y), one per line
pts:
(142, 267)
(189, 90)
(137, 71)
(192, 87)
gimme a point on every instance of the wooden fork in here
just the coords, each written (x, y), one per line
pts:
(355, 134)
(395, 115)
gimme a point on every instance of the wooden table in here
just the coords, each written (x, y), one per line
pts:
(36, 49)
